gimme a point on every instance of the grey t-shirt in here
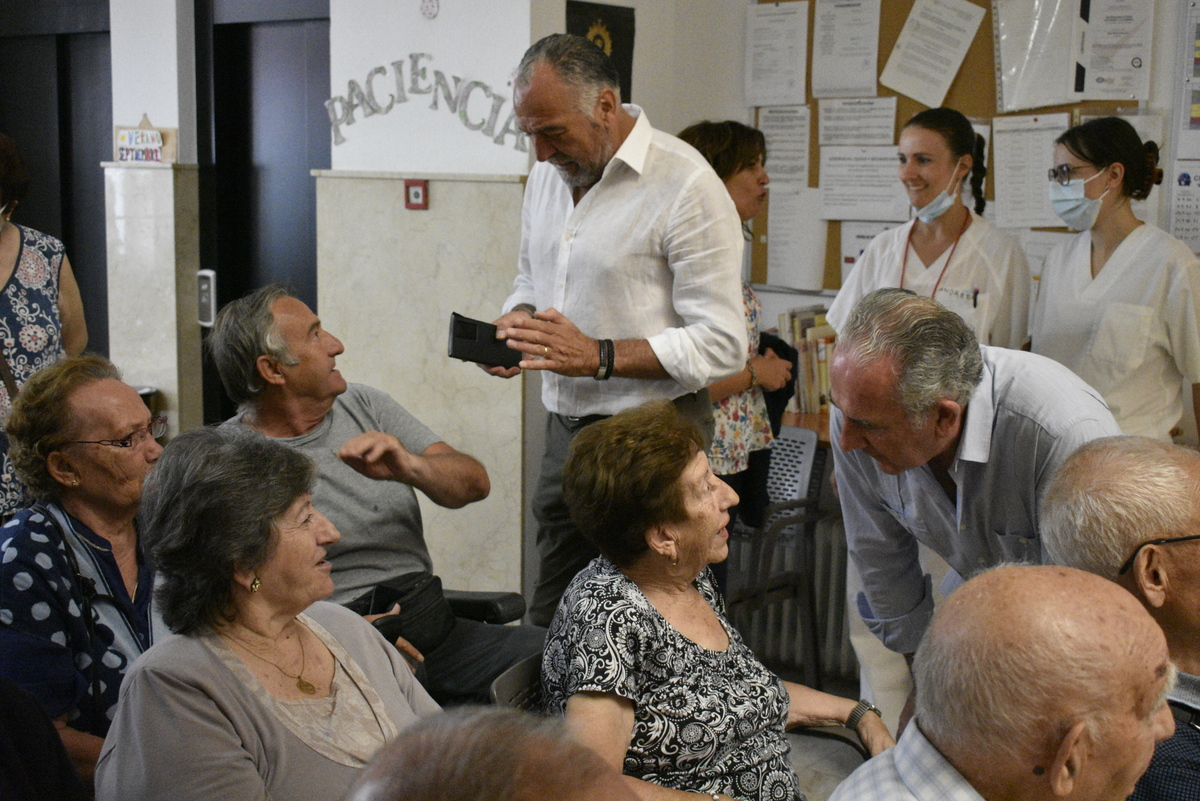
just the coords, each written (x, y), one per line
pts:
(380, 521)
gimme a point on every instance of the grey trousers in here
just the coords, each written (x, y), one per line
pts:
(562, 549)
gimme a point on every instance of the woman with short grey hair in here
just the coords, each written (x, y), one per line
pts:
(265, 690)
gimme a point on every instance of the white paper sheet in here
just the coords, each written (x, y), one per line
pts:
(786, 129)
(1023, 151)
(855, 238)
(1036, 59)
(796, 238)
(859, 183)
(1114, 57)
(1036, 245)
(932, 44)
(776, 53)
(1185, 211)
(845, 48)
(857, 121)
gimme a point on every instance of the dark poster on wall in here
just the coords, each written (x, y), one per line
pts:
(611, 28)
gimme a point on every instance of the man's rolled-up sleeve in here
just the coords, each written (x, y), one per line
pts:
(704, 253)
(897, 599)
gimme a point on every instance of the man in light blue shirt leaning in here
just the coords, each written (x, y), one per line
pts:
(943, 442)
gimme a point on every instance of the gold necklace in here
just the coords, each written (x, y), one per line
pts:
(302, 684)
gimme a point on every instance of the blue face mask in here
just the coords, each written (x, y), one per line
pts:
(1075, 209)
(940, 204)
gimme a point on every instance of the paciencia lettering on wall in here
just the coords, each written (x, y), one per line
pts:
(478, 107)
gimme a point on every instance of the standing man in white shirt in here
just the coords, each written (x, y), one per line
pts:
(628, 287)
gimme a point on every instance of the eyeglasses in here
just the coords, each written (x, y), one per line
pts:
(1129, 563)
(1063, 172)
(157, 427)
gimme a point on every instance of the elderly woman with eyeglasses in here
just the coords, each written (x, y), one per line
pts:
(264, 690)
(75, 606)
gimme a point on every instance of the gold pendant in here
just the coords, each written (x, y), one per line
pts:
(304, 687)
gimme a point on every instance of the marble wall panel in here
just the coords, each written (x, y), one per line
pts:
(153, 255)
(387, 280)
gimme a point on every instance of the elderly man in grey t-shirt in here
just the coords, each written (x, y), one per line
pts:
(278, 364)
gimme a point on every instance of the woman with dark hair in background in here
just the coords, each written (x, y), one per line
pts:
(738, 154)
(41, 311)
(946, 251)
(1118, 302)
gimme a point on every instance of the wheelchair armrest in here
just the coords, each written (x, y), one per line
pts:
(487, 607)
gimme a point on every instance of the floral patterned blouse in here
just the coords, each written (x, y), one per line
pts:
(30, 334)
(704, 721)
(741, 421)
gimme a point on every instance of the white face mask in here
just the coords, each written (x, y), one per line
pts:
(940, 204)
(1074, 208)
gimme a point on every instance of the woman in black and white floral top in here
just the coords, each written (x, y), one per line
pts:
(639, 656)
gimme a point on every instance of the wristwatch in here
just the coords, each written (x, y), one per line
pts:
(856, 715)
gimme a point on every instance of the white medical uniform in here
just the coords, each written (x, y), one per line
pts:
(987, 283)
(1131, 332)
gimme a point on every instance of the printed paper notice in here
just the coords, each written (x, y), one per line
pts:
(1023, 151)
(855, 238)
(1115, 60)
(845, 48)
(857, 121)
(786, 131)
(1185, 208)
(795, 238)
(776, 53)
(931, 48)
(859, 183)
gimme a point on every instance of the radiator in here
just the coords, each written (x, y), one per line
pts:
(774, 633)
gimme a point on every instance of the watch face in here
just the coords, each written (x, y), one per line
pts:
(429, 8)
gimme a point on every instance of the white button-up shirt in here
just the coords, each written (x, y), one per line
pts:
(653, 251)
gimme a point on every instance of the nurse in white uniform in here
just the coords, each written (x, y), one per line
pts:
(946, 251)
(1118, 302)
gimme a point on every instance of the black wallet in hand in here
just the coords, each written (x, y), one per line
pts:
(475, 341)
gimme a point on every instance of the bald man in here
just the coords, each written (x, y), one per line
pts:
(1128, 510)
(489, 753)
(1032, 682)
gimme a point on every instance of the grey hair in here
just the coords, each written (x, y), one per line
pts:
(208, 509)
(1012, 692)
(1115, 493)
(578, 63)
(481, 752)
(935, 354)
(244, 330)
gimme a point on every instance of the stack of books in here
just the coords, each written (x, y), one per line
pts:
(805, 329)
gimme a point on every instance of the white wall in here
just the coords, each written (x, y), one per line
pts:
(687, 56)
(154, 67)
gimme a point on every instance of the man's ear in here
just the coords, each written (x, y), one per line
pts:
(947, 418)
(269, 370)
(1151, 576)
(607, 105)
(1069, 760)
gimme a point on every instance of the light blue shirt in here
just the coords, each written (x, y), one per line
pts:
(1027, 415)
(912, 771)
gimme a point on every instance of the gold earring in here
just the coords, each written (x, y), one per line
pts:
(74, 482)
(254, 585)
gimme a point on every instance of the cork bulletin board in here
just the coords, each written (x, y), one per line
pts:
(973, 92)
